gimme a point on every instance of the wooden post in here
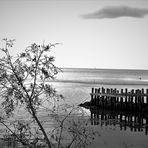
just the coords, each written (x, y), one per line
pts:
(129, 104)
(139, 100)
(108, 99)
(105, 103)
(103, 91)
(136, 100)
(95, 98)
(117, 101)
(126, 99)
(147, 96)
(115, 98)
(112, 98)
(92, 97)
(132, 103)
(98, 97)
(142, 98)
(121, 100)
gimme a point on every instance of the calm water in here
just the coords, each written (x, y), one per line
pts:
(75, 84)
(130, 129)
(117, 129)
(104, 76)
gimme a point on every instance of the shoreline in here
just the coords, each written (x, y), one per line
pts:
(89, 68)
(125, 82)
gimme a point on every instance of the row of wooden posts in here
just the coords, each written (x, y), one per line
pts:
(133, 100)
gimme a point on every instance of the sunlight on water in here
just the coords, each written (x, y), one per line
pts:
(101, 76)
(76, 84)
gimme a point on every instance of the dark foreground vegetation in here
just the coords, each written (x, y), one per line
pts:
(25, 84)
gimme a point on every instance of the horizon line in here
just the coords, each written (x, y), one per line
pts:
(102, 68)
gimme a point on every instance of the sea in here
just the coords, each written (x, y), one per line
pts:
(117, 130)
(75, 84)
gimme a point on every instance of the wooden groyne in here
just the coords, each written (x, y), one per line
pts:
(109, 98)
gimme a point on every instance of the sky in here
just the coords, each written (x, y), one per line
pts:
(110, 34)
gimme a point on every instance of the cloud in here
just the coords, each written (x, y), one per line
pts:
(116, 12)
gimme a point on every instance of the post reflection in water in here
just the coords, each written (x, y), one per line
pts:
(125, 120)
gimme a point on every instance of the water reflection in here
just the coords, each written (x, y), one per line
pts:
(124, 120)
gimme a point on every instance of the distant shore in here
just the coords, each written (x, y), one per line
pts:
(104, 82)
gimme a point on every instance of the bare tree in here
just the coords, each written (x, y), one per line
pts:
(24, 81)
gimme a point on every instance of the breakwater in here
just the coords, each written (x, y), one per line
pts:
(135, 100)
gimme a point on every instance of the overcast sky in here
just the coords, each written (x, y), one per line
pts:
(93, 33)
